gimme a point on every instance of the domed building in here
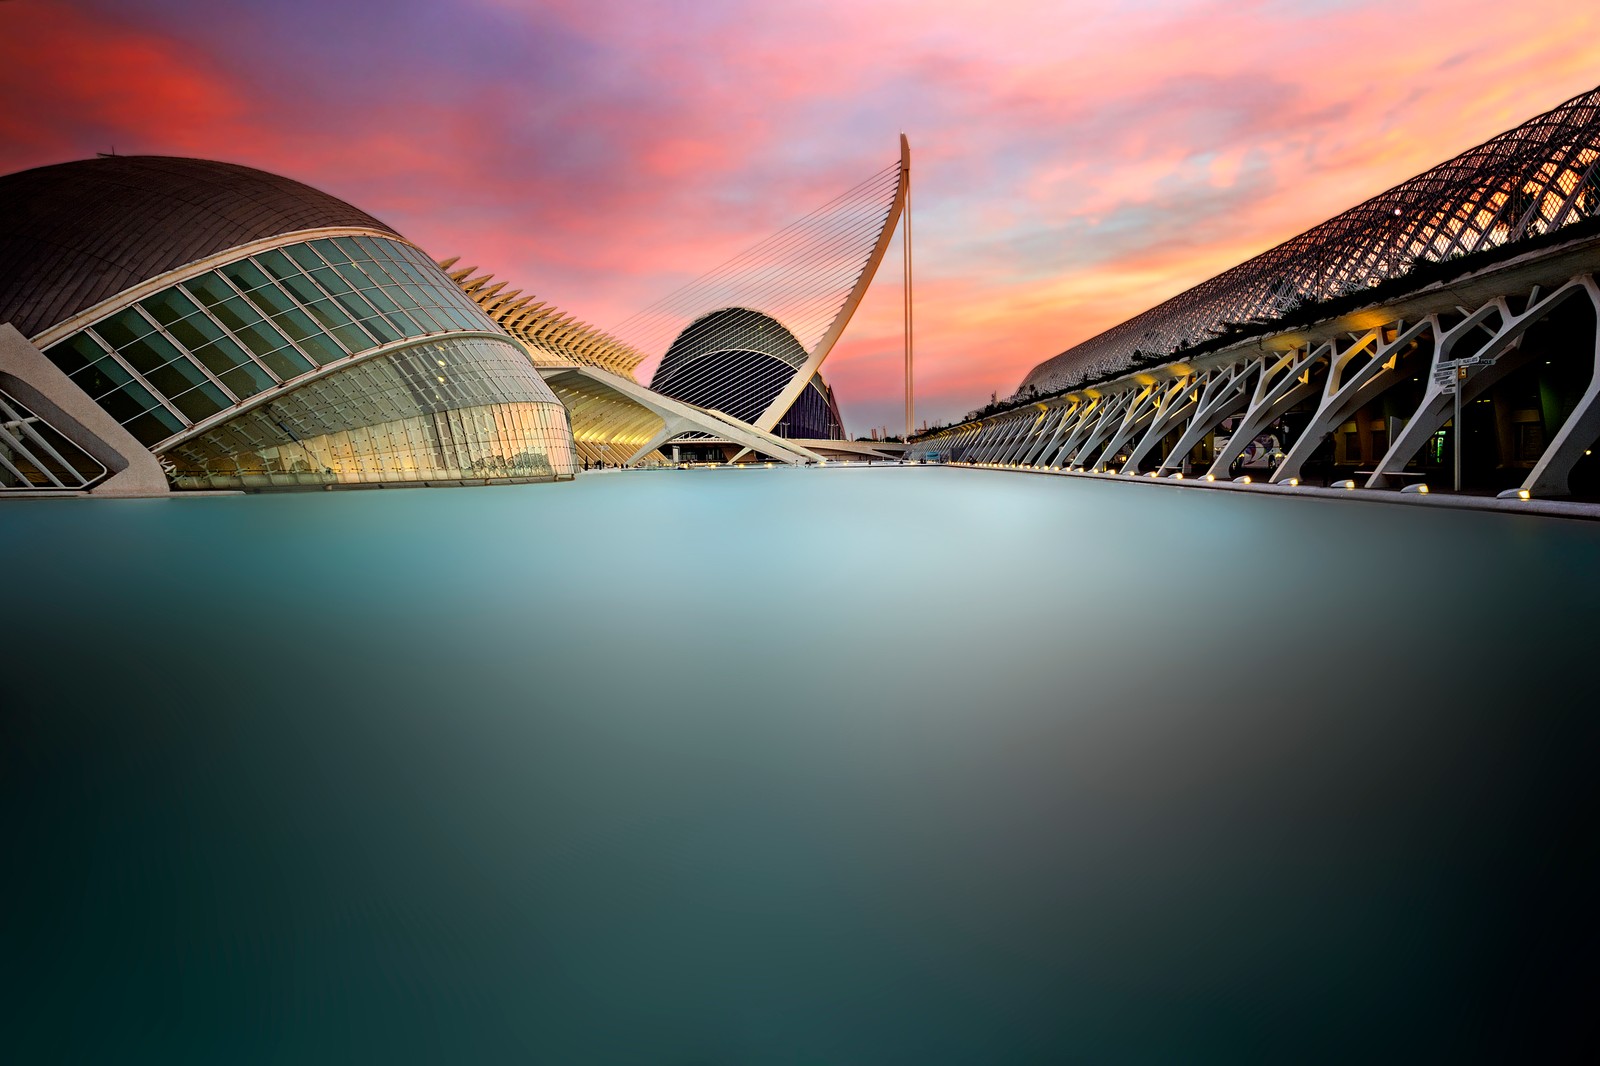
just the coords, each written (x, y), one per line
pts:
(737, 360)
(243, 330)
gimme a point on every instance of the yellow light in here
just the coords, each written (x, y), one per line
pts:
(1211, 477)
(1422, 490)
(1294, 481)
(1523, 494)
(1245, 480)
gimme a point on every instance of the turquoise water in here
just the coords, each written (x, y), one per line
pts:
(795, 766)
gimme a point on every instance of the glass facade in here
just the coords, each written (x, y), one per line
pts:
(456, 409)
(212, 342)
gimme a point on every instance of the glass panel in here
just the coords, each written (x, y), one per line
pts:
(335, 321)
(381, 329)
(210, 289)
(330, 251)
(102, 377)
(379, 298)
(201, 402)
(75, 353)
(315, 343)
(244, 274)
(429, 325)
(149, 354)
(359, 278)
(371, 249)
(464, 320)
(408, 272)
(130, 401)
(305, 291)
(235, 313)
(270, 299)
(302, 254)
(124, 327)
(286, 363)
(417, 297)
(330, 281)
(221, 354)
(153, 426)
(278, 265)
(350, 248)
(195, 331)
(247, 380)
(176, 377)
(372, 423)
(168, 307)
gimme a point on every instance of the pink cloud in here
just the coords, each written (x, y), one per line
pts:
(1074, 163)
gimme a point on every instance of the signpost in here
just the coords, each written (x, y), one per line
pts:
(1451, 377)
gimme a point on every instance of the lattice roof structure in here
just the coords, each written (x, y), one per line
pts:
(1525, 183)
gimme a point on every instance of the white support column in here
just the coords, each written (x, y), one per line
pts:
(1177, 402)
(1046, 433)
(1578, 433)
(1077, 423)
(1290, 379)
(1503, 354)
(1104, 426)
(1141, 412)
(1025, 440)
(1223, 395)
(1346, 389)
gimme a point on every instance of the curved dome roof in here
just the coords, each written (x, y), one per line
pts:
(76, 233)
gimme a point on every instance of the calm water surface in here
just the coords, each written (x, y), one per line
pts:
(795, 767)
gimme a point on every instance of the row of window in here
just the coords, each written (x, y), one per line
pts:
(202, 346)
(394, 418)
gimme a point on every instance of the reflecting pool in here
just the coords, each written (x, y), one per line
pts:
(879, 766)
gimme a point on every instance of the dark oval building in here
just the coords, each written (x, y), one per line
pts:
(737, 360)
(253, 332)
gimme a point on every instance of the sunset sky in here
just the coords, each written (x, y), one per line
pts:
(1073, 163)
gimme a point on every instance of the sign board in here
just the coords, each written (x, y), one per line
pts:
(1449, 372)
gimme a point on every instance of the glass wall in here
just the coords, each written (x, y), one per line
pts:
(209, 343)
(457, 409)
(447, 408)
